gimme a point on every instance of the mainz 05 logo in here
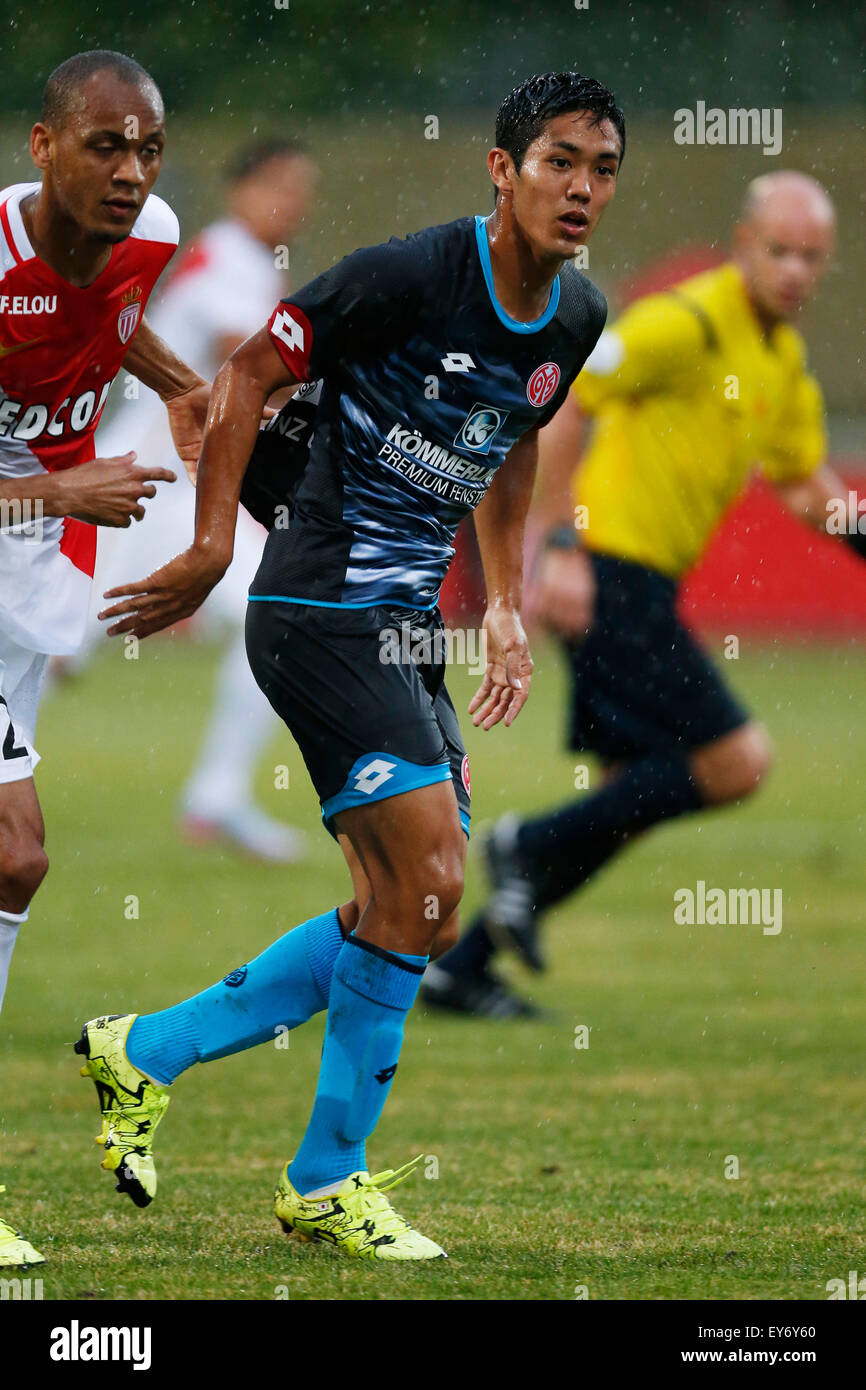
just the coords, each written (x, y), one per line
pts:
(480, 428)
(542, 384)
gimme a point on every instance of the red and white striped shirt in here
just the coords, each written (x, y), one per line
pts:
(60, 348)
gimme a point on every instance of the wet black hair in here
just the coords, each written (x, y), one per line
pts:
(527, 109)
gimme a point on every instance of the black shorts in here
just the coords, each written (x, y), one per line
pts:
(641, 683)
(362, 691)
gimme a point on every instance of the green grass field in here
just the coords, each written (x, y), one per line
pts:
(602, 1167)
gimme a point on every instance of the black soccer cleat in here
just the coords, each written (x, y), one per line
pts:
(483, 995)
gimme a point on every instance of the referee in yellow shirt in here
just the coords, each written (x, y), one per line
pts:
(690, 392)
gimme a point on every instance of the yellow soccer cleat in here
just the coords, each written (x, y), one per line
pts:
(131, 1105)
(15, 1251)
(358, 1219)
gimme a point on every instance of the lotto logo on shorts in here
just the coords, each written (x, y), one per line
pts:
(371, 777)
(542, 384)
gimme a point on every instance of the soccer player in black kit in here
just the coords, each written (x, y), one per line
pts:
(440, 357)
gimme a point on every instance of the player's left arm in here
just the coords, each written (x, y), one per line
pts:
(500, 520)
(184, 393)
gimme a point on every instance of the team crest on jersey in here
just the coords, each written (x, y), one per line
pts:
(464, 774)
(128, 318)
(480, 428)
(542, 384)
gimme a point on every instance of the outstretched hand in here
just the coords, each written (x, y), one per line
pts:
(164, 598)
(505, 687)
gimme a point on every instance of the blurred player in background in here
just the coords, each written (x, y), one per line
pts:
(441, 356)
(79, 256)
(224, 285)
(690, 390)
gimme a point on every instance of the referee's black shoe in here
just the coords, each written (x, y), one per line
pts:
(482, 995)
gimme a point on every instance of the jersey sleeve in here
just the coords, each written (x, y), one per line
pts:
(656, 345)
(799, 445)
(362, 305)
(591, 331)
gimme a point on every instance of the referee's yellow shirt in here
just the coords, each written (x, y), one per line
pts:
(688, 398)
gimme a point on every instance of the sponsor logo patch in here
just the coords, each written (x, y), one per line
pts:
(480, 428)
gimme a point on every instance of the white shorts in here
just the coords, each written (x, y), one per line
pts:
(22, 673)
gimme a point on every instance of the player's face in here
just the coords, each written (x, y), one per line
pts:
(276, 199)
(105, 159)
(783, 253)
(566, 180)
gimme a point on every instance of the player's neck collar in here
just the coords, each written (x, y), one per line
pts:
(515, 325)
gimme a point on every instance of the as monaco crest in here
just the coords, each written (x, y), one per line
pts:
(127, 321)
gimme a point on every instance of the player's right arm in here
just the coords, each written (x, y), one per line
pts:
(363, 302)
(240, 391)
(106, 492)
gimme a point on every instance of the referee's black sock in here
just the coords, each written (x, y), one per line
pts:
(472, 952)
(562, 850)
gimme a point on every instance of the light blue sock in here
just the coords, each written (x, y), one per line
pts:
(281, 988)
(372, 991)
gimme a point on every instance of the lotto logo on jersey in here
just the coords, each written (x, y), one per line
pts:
(292, 334)
(542, 384)
(480, 428)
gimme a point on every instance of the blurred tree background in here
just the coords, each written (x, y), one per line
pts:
(321, 56)
(356, 82)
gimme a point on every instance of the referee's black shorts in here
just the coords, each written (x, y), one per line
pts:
(641, 683)
(362, 691)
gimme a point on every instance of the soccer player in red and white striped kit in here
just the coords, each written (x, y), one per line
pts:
(80, 252)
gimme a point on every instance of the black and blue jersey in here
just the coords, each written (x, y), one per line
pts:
(427, 383)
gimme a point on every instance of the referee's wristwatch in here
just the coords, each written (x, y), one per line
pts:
(562, 537)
